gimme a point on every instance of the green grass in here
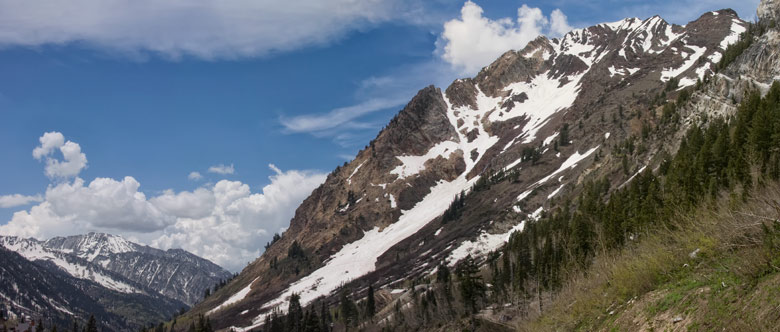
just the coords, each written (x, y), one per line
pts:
(732, 252)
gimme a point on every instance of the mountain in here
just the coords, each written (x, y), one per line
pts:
(456, 172)
(140, 283)
(39, 289)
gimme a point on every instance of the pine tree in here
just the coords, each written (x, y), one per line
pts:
(294, 314)
(325, 318)
(312, 322)
(564, 135)
(370, 305)
(91, 324)
(348, 310)
(471, 286)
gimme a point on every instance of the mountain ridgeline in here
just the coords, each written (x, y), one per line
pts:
(477, 206)
(125, 285)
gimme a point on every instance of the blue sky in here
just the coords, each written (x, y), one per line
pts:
(156, 93)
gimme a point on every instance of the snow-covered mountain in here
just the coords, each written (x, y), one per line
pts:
(124, 266)
(520, 137)
(41, 288)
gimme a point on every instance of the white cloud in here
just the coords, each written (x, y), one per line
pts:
(474, 41)
(73, 160)
(559, 24)
(49, 142)
(222, 169)
(186, 204)
(351, 126)
(14, 200)
(208, 29)
(225, 222)
(195, 176)
(241, 221)
(340, 117)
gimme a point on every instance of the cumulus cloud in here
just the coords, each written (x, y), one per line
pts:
(209, 29)
(240, 222)
(222, 169)
(73, 160)
(195, 176)
(186, 204)
(225, 222)
(559, 23)
(473, 41)
(14, 200)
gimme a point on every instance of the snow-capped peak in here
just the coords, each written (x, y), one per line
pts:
(92, 245)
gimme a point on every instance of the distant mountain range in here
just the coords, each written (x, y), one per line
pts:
(125, 284)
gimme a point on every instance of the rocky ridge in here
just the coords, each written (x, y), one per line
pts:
(548, 115)
(124, 266)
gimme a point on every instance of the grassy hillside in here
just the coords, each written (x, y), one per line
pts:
(717, 268)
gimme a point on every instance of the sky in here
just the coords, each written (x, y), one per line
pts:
(203, 124)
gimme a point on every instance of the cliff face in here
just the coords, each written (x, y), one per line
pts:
(549, 116)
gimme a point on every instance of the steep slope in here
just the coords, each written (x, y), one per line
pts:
(546, 116)
(123, 266)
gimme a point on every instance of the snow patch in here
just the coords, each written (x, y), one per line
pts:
(736, 30)
(233, 299)
(670, 73)
(555, 192)
(545, 98)
(482, 245)
(359, 258)
(349, 179)
(550, 139)
(569, 163)
(411, 165)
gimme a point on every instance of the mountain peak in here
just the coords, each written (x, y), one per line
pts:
(124, 266)
(91, 245)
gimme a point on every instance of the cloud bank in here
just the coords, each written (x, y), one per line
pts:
(225, 222)
(208, 29)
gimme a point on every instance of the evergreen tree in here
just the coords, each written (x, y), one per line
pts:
(563, 136)
(91, 324)
(325, 318)
(348, 310)
(295, 314)
(471, 286)
(312, 322)
(370, 305)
